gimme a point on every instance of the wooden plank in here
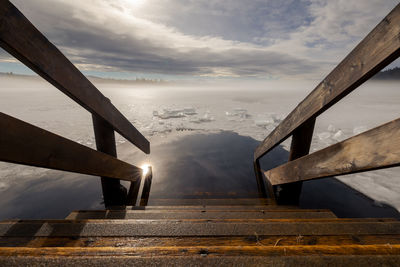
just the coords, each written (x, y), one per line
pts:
(209, 201)
(379, 48)
(289, 194)
(26, 144)
(175, 209)
(133, 192)
(200, 259)
(144, 198)
(176, 228)
(263, 189)
(22, 40)
(216, 208)
(205, 250)
(278, 240)
(114, 193)
(374, 149)
(139, 214)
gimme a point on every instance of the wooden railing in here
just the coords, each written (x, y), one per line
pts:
(374, 149)
(23, 143)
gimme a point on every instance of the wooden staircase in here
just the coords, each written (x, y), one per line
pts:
(201, 232)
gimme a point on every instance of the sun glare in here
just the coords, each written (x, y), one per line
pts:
(145, 168)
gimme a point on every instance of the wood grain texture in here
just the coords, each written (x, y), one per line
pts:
(26, 144)
(199, 215)
(379, 48)
(289, 194)
(206, 250)
(22, 40)
(254, 240)
(181, 228)
(113, 192)
(374, 149)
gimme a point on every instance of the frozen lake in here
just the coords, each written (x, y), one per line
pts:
(170, 114)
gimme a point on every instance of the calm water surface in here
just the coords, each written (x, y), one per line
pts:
(187, 165)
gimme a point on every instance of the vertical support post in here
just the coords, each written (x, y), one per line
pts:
(144, 199)
(113, 192)
(133, 193)
(259, 178)
(289, 194)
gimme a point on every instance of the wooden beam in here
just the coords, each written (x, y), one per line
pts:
(144, 199)
(261, 186)
(26, 144)
(375, 149)
(22, 40)
(289, 194)
(379, 48)
(114, 194)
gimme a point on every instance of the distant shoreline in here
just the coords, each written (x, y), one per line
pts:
(388, 75)
(94, 79)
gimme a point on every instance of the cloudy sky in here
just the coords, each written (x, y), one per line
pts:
(172, 39)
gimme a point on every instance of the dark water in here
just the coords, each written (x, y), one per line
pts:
(190, 166)
(206, 165)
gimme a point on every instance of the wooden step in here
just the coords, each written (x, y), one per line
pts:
(199, 214)
(211, 201)
(190, 241)
(208, 207)
(130, 227)
(348, 255)
(132, 259)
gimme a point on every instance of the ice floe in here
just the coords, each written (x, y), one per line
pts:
(174, 113)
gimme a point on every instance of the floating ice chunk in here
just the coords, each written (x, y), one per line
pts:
(276, 118)
(331, 128)
(174, 113)
(359, 129)
(264, 123)
(338, 135)
(324, 135)
(189, 111)
(238, 112)
(171, 113)
(205, 118)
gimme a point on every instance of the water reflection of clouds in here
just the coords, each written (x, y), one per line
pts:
(188, 165)
(205, 165)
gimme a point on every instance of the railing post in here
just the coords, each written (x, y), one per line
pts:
(113, 192)
(133, 193)
(259, 178)
(144, 199)
(289, 194)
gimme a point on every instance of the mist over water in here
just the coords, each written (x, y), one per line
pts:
(203, 128)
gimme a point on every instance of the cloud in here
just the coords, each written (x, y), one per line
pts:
(206, 38)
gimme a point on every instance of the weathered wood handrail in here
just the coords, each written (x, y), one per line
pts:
(376, 51)
(22, 40)
(23, 143)
(374, 149)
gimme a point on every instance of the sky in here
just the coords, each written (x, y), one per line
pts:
(203, 39)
